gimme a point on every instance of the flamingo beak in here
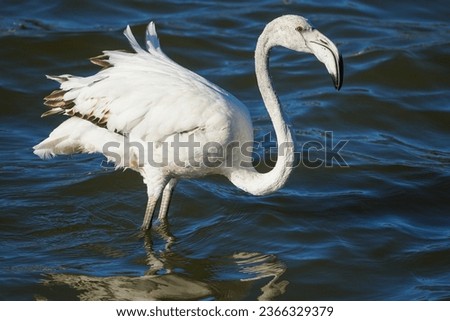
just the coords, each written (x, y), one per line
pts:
(327, 53)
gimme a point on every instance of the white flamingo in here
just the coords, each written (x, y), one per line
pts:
(144, 102)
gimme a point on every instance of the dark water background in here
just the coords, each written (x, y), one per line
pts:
(377, 229)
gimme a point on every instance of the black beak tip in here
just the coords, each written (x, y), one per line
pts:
(339, 78)
(337, 84)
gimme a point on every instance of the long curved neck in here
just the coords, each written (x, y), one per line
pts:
(249, 179)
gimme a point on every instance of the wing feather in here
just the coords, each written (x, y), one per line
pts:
(133, 42)
(152, 40)
(143, 92)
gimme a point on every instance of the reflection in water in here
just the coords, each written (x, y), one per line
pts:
(155, 287)
(163, 281)
(263, 266)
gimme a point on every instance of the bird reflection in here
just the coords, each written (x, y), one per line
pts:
(261, 267)
(156, 262)
(164, 281)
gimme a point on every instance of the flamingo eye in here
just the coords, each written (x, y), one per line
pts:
(299, 29)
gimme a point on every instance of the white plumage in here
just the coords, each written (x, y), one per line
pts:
(141, 105)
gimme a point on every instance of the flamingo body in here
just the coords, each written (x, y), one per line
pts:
(141, 105)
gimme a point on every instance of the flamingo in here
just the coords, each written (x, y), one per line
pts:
(145, 103)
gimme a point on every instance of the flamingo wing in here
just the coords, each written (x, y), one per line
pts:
(143, 93)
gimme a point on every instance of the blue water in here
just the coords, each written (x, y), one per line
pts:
(375, 229)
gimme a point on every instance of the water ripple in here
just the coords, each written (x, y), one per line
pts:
(376, 229)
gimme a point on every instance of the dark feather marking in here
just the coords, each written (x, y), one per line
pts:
(55, 100)
(59, 79)
(52, 111)
(56, 95)
(101, 61)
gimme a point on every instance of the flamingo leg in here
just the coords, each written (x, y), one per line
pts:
(151, 204)
(165, 201)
